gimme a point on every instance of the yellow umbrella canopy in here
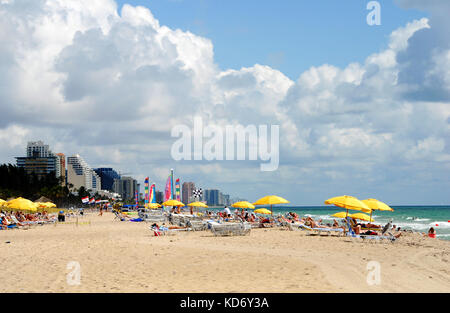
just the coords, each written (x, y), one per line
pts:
(375, 204)
(153, 205)
(198, 204)
(173, 203)
(340, 214)
(21, 204)
(270, 200)
(349, 203)
(45, 205)
(263, 211)
(243, 205)
(361, 216)
(2, 202)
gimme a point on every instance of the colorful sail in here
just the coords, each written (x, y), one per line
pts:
(152, 196)
(177, 189)
(168, 190)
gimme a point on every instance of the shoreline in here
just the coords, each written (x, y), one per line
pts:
(125, 257)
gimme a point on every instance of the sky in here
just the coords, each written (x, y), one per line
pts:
(288, 35)
(362, 110)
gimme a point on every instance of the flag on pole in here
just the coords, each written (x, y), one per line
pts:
(172, 196)
(168, 190)
(98, 201)
(177, 189)
(92, 201)
(197, 193)
(85, 200)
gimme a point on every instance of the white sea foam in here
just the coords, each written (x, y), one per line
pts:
(440, 224)
(417, 219)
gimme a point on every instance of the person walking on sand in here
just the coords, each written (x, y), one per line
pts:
(101, 211)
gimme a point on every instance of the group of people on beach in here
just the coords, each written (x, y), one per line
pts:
(21, 219)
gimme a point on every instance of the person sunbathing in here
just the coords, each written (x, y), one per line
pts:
(4, 223)
(358, 231)
(376, 233)
(313, 224)
(15, 221)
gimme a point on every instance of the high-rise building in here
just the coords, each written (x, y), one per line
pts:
(37, 149)
(107, 176)
(79, 173)
(159, 196)
(39, 160)
(126, 187)
(61, 167)
(211, 196)
(187, 191)
(226, 200)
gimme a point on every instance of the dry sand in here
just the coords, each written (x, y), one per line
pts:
(125, 257)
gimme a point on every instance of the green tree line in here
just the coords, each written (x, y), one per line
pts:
(15, 182)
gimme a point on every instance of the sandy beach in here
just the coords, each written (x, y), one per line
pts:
(125, 257)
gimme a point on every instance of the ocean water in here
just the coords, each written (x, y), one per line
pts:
(416, 218)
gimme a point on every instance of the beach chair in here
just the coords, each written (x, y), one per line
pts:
(155, 218)
(165, 231)
(197, 225)
(317, 230)
(351, 233)
(119, 217)
(229, 229)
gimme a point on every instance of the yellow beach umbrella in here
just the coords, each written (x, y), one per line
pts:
(2, 202)
(375, 204)
(173, 203)
(270, 200)
(361, 216)
(340, 214)
(263, 211)
(21, 204)
(198, 204)
(45, 205)
(243, 205)
(349, 203)
(153, 205)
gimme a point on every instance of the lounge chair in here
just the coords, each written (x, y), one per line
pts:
(164, 231)
(119, 217)
(229, 229)
(319, 230)
(197, 225)
(351, 233)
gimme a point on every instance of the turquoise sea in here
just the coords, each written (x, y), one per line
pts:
(417, 218)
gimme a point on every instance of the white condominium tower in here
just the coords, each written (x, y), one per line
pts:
(79, 173)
